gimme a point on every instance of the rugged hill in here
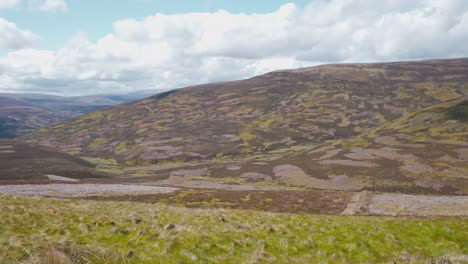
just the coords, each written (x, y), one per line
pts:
(22, 161)
(290, 127)
(425, 151)
(23, 113)
(421, 152)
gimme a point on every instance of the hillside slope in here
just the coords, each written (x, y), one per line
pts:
(22, 161)
(425, 151)
(312, 128)
(276, 110)
(421, 152)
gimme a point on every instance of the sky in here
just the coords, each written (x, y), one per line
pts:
(81, 47)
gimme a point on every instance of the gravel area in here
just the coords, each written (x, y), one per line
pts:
(81, 190)
(365, 203)
(418, 205)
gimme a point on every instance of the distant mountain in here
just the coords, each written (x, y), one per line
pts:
(22, 113)
(144, 93)
(18, 116)
(312, 127)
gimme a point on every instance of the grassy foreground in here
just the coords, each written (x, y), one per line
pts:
(44, 230)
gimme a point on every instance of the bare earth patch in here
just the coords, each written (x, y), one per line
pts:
(233, 168)
(417, 205)
(450, 159)
(80, 190)
(407, 205)
(462, 153)
(437, 185)
(295, 176)
(61, 178)
(416, 167)
(359, 154)
(357, 204)
(200, 183)
(386, 140)
(7, 149)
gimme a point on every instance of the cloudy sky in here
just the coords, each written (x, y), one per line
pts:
(78, 47)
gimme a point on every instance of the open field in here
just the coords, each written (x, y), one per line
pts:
(45, 230)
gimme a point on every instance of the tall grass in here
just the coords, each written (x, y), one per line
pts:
(44, 230)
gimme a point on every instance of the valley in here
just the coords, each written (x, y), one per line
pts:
(338, 152)
(24, 113)
(234, 132)
(390, 127)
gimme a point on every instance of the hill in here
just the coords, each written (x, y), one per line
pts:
(424, 151)
(313, 128)
(22, 161)
(17, 116)
(23, 113)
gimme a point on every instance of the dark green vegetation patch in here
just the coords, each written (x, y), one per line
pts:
(458, 112)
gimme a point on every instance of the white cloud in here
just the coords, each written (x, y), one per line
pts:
(11, 37)
(170, 51)
(50, 5)
(40, 5)
(5, 4)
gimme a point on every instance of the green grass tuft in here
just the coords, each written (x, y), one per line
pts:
(44, 230)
